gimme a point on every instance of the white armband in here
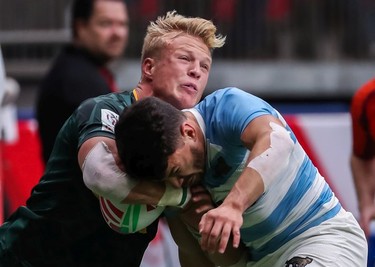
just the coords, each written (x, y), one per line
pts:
(102, 175)
(175, 197)
(273, 161)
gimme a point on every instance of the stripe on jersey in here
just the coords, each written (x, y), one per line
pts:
(274, 243)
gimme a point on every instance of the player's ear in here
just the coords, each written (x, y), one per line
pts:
(81, 29)
(148, 67)
(188, 131)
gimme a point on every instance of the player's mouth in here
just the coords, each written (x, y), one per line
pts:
(190, 87)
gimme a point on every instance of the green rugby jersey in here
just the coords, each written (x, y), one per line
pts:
(62, 224)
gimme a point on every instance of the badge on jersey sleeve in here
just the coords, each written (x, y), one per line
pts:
(109, 120)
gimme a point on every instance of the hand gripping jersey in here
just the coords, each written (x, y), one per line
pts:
(62, 224)
(294, 202)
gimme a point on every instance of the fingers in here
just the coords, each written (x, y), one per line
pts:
(236, 237)
(217, 227)
(223, 241)
(201, 200)
(215, 234)
(205, 227)
(199, 204)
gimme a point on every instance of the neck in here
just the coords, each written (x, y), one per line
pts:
(143, 91)
(99, 59)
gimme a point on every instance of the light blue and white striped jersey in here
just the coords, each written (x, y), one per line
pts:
(295, 201)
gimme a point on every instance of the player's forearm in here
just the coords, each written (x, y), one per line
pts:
(145, 193)
(271, 147)
(190, 254)
(247, 189)
(364, 179)
(103, 177)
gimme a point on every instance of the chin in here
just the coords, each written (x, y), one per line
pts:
(190, 103)
(180, 104)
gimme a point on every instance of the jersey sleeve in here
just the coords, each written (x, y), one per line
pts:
(230, 110)
(97, 117)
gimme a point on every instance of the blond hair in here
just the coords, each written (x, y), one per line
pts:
(174, 24)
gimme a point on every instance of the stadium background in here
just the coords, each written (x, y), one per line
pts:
(306, 57)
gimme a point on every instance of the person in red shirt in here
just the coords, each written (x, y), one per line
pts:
(363, 151)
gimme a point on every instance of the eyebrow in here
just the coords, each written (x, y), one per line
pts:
(190, 52)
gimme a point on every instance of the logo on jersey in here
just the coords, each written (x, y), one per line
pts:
(298, 262)
(129, 218)
(218, 164)
(109, 120)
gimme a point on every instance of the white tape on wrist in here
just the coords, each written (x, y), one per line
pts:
(102, 175)
(272, 162)
(175, 197)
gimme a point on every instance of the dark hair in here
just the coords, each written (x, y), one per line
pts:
(82, 10)
(147, 133)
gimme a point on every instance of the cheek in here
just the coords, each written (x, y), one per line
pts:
(98, 38)
(163, 81)
(125, 34)
(107, 35)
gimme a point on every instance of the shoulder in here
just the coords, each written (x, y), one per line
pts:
(113, 102)
(231, 94)
(364, 96)
(231, 99)
(365, 91)
(73, 62)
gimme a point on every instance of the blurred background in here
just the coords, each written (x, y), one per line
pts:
(305, 57)
(278, 49)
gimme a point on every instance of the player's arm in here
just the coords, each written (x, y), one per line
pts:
(364, 179)
(189, 251)
(184, 230)
(103, 175)
(270, 145)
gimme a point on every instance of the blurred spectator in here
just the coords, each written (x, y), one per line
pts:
(141, 12)
(100, 35)
(8, 113)
(9, 92)
(223, 13)
(2, 78)
(278, 21)
(250, 29)
(255, 29)
(271, 29)
(363, 151)
(304, 28)
(191, 8)
(344, 20)
(369, 7)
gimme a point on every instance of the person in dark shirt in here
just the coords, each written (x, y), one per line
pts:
(100, 34)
